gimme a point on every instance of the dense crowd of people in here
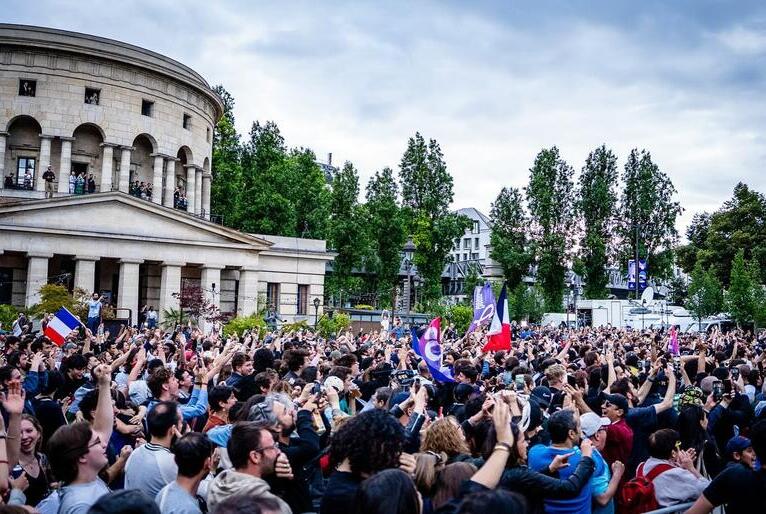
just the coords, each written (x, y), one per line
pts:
(567, 421)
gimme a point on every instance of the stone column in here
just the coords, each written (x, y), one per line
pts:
(247, 301)
(210, 281)
(65, 164)
(170, 282)
(107, 161)
(124, 185)
(45, 161)
(206, 183)
(198, 192)
(37, 276)
(191, 187)
(85, 272)
(157, 179)
(127, 296)
(3, 137)
(170, 181)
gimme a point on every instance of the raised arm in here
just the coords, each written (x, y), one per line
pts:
(13, 402)
(103, 418)
(491, 472)
(667, 401)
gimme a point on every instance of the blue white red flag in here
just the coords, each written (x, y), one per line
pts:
(430, 349)
(499, 333)
(483, 306)
(62, 324)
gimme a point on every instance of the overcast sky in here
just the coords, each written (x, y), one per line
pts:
(493, 82)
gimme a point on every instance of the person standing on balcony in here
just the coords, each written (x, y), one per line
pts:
(49, 177)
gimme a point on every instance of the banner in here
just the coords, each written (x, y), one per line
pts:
(430, 349)
(483, 307)
(641, 274)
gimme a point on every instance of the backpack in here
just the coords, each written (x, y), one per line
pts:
(637, 495)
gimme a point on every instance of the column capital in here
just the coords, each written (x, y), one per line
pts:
(128, 148)
(192, 166)
(158, 154)
(207, 175)
(248, 269)
(131, 261)
(40, 255)
(86, 258)
(46, 136)
(111, 145)
(212, 266)
(3, 133)
(66, 138)
(172, 159)
(177, 264)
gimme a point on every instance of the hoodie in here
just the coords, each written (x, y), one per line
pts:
(231, 482)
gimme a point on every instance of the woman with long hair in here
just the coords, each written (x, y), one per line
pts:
(32, 461)
(692, 428)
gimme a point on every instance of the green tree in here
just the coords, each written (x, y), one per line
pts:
(550, 203)
(678, 291)
(346, 234)
(596, 204)
(309, 194)
(508, 240)
(647, 202)
(741, 297)
(740, 223)
(226, 167)
(696, 234)
(472, 279)
(427, 192)
(705, 294)
(386, 225)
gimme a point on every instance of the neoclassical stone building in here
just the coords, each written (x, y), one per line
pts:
(121, 115)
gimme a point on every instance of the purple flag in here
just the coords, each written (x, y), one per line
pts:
(483, 306)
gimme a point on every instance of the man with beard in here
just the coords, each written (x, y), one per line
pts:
(255, 455)
(562, 457)
(298, 441)
(152, 466)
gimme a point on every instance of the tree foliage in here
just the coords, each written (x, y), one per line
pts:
(346, 233)
(226, 167)
(596, 204)
(550, 203)
(715, 239)
(705, 294)
(742, 297)
(386, 226)
(508, 240)
(647, 201)
(427, 192)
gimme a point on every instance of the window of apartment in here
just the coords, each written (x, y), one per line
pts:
(147, 107)
(92, 96)
(465, 256)
(475, 256)
(475, 243)
(272, 296)
(207, 136)
(25, 173)
(27, 87)
(303, 300)
(467, 243)
(475, 228)
(187, 122)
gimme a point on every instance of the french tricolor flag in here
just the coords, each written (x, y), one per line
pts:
(62, 324)
(499, 333)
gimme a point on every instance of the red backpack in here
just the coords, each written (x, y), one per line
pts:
(637, 495)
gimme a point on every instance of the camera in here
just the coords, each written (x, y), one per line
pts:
(717, 391)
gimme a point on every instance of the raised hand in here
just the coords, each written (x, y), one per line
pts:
(13, 401)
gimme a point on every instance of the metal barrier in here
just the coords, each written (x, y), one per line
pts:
(673, 509)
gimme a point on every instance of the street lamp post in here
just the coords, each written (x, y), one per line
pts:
(409, 252)
(317, 301)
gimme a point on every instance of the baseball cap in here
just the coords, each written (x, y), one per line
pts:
(591, 423)
(619, 401)
(738, 444)
(543, 395)
(337, 383)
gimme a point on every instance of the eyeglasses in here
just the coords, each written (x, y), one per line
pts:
(87, 448)
(272, 447)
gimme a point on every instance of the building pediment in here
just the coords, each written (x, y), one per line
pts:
(115, 215)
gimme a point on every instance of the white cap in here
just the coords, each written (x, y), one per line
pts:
(590, 423)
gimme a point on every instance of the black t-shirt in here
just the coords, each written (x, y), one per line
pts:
(739, 488)
(48, 176)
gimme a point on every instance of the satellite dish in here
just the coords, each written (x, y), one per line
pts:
(648, 295)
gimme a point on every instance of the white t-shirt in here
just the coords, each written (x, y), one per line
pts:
(77, 499)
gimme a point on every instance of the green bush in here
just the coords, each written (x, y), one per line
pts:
(242, 323)
(363, 307)
(327, 326)
(53, 297)
(295, 327)
(8, 315)
(461, 315)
